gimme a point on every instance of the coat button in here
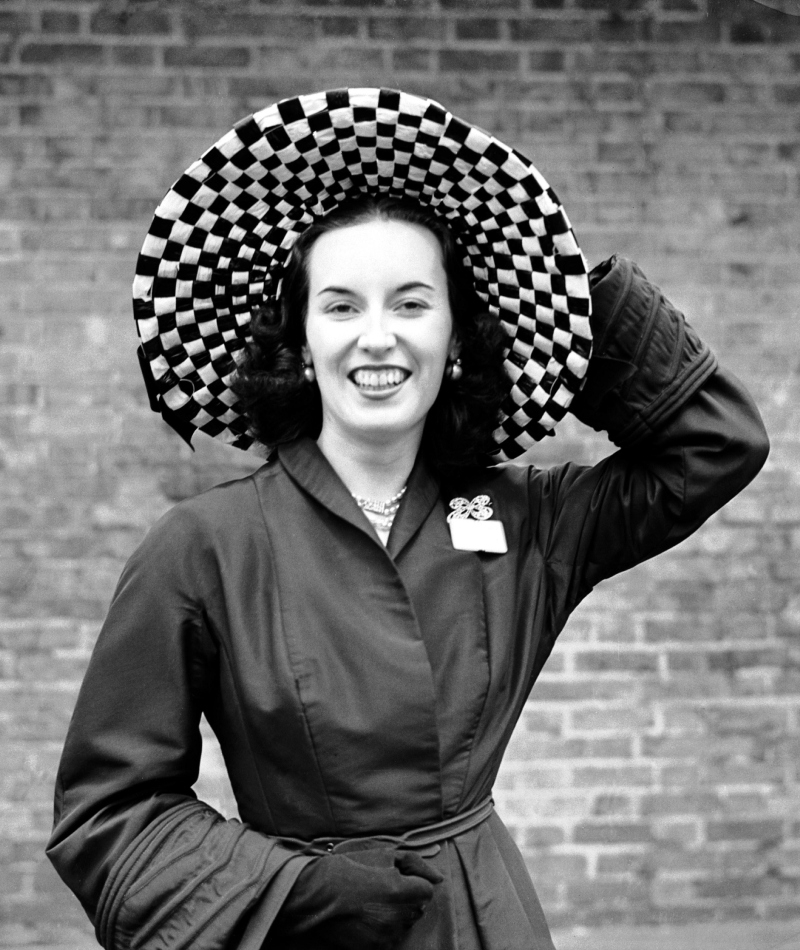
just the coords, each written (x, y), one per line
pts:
(329, 846)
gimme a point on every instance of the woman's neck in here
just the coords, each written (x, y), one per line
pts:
(371, 470)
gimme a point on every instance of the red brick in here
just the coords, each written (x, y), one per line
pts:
(684, 803)
(543, 721)
(635, 776)
(405, 29)
(130, 21)
(479, 5)
(613, 805)
(543, 837)
(339, 26)
(15, 21)
(206, 57)
(628, 863)
(765, 830)
(73, 54)
(551, 30)
(616, 28)
(611, 833)
(680, 6)
(615, 661)
(627, 719)
(478, 60)
(787, 94)
(477, 28)
(546, 61)
(26, 84)
(60, 21)
(695, 93)
(687, 31)
(556, 866)
(608, 92)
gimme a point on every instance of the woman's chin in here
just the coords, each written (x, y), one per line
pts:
(381, 420)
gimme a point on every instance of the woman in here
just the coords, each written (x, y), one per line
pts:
(363, 618)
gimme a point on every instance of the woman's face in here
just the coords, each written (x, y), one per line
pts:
(379, 328)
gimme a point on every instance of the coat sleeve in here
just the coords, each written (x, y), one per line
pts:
(689, 435)
(153, 866)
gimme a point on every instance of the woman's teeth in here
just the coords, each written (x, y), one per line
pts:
(378, 379)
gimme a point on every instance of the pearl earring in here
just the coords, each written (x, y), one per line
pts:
(454, 370)
(308, 372)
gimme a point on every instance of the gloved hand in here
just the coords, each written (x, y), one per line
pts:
(366, 900)
(647, 361)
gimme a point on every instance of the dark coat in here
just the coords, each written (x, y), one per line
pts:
(356, 689)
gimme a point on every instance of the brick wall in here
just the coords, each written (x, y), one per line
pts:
(655, 773)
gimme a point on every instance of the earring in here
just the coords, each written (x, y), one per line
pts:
(308, 372)
(454, 370)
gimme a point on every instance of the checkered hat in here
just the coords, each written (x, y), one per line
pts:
(221, 237)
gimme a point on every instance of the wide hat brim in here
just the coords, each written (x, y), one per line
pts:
(221, 236)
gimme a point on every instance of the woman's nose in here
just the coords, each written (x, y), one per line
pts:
(377, 335)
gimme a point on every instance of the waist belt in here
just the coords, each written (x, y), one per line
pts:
(427, 840)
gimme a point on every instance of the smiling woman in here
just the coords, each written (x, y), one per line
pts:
(384, 279)
(362, 619)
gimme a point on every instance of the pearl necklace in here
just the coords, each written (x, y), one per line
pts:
(381, 513)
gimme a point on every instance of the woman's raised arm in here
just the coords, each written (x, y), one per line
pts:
(689, 435)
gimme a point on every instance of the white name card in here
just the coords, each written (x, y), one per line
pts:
(470, 535)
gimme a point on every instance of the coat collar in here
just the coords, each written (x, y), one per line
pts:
(309, 468)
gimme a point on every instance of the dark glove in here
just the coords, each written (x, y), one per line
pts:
(367, 900)
(646, 360)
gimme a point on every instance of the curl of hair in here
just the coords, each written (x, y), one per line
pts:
(281, 405)
(277, 400)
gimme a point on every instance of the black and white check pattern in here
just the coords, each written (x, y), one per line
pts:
(219, 240)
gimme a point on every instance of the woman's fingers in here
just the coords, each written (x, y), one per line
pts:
(410, 863)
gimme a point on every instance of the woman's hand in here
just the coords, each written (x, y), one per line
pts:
(367, 901)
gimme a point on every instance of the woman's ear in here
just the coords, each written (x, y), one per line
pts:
(455, 348)
(305, 352)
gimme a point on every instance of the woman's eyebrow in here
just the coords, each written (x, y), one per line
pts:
(412, 285)
(336, 290)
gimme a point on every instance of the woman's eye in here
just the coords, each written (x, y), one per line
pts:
(341, 309)
(412, 306)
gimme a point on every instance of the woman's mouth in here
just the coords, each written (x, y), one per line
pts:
(379, 380)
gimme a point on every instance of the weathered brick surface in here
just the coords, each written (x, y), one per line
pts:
(654, 775)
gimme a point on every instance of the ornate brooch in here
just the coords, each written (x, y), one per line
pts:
(479, 508)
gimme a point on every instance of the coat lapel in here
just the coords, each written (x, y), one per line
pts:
(419, 499)
(309, 468)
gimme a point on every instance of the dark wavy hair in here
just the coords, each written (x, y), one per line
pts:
(281, 405)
